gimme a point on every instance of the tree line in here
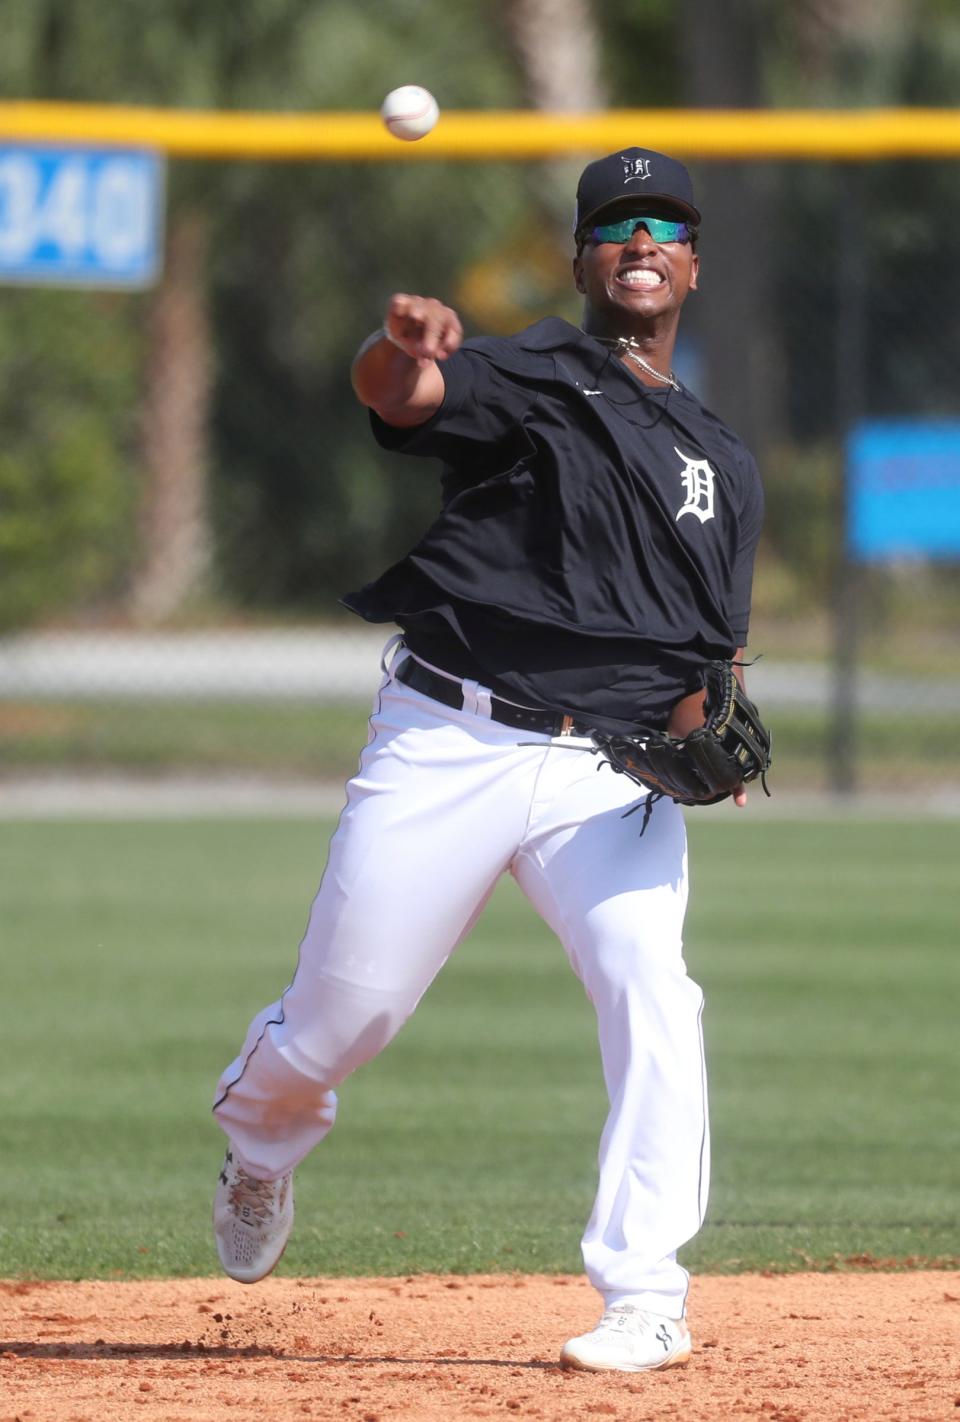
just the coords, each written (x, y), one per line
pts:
(197, 446)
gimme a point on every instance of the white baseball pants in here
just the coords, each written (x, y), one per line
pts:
(443, 803)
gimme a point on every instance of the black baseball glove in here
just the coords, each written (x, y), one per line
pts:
(731, 747)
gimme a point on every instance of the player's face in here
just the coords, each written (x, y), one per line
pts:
(635, 281)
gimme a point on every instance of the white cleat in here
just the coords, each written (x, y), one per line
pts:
(629, 1340)
(252, 1220)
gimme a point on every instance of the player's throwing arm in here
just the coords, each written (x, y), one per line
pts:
(395, 371)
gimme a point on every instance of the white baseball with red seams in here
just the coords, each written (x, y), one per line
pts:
(410, 112)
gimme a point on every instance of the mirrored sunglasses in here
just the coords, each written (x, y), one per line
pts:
(661, 229)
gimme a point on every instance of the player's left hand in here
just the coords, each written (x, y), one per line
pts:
(714, 744)
(689, 715)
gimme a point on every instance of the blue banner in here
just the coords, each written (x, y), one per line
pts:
(904, 490)
(80, 216)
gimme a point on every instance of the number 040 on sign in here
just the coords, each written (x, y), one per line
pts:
(80, 216)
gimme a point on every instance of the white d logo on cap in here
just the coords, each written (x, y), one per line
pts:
(635, 170)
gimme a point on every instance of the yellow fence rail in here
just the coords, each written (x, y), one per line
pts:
(848, 134)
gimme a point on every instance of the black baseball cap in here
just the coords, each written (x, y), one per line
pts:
(631, 174)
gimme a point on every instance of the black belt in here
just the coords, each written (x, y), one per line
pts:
(524, 718)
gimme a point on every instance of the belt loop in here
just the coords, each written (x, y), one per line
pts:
(476, 699)
(469, 690)
(395, 641)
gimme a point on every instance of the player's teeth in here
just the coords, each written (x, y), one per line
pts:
(641, 276)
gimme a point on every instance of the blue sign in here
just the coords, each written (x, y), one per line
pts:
(80, 216)
(904, 490)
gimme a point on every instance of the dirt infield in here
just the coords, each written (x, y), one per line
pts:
(780, 1348)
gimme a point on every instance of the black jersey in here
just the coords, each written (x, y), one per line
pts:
(596, 539)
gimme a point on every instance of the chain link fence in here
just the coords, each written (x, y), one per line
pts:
(187, 484)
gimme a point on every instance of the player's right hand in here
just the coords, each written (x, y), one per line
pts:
(422, 327)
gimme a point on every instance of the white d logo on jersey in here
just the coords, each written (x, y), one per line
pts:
(698, 480)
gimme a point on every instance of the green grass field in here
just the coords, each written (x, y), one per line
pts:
(134, 954)
(321, 740)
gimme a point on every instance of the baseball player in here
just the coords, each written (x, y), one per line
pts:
(592, 555)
